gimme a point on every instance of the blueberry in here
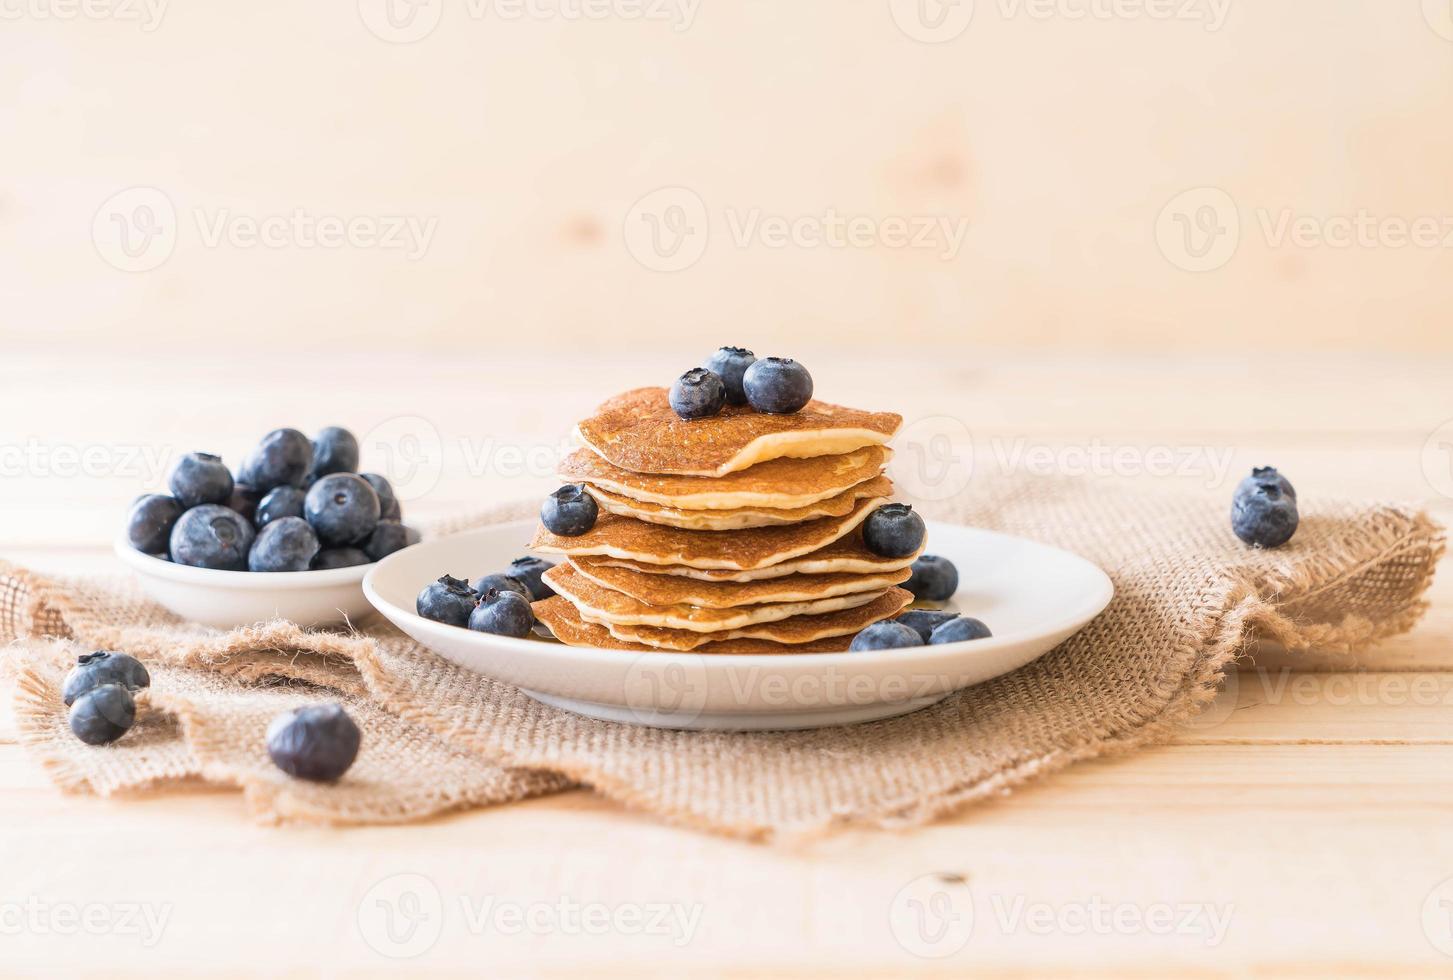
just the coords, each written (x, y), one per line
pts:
(729, 363)
(318, 742)
(893, 531)
(503, 613)
(924, 620)
(934, 579)
(697, 394)
(449, 600)
(279, 502)
(778, 385)
(212, 536)
(1264, 509)
(342, 508)
(339, 558)
(528, 570)
(569, 511)
(103, 714)
(388, 501)
(149, 525)
(244, 500)
(388, 537)
(886, 635)
(200, 478)
(500, 582)
(335, 450)
(287, 544)
(104, 667)
(283, 457)
(960, 628)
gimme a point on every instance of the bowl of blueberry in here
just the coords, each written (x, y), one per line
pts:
(289, 535)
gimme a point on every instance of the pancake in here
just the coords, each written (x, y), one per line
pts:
(601, 605)
(742, 517)
(672, 590)
(757, 547)
(565, 622)
(777, 483)
(638, 431)
(798, 629)
(848, 554)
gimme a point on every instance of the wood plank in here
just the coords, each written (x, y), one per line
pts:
(1301, 885)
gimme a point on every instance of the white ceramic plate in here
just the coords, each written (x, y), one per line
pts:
(227, 599)
(1032, 596)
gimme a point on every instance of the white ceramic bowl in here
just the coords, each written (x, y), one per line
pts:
(227, 599)
(1031, 595)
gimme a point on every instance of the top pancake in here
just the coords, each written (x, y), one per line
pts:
(638, 431)
(778, 483)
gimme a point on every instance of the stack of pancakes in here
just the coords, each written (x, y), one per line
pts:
(738, 533)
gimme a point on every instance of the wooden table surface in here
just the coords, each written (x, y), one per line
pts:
(1299, 827)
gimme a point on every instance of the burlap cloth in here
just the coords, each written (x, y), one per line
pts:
(1189, 597)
